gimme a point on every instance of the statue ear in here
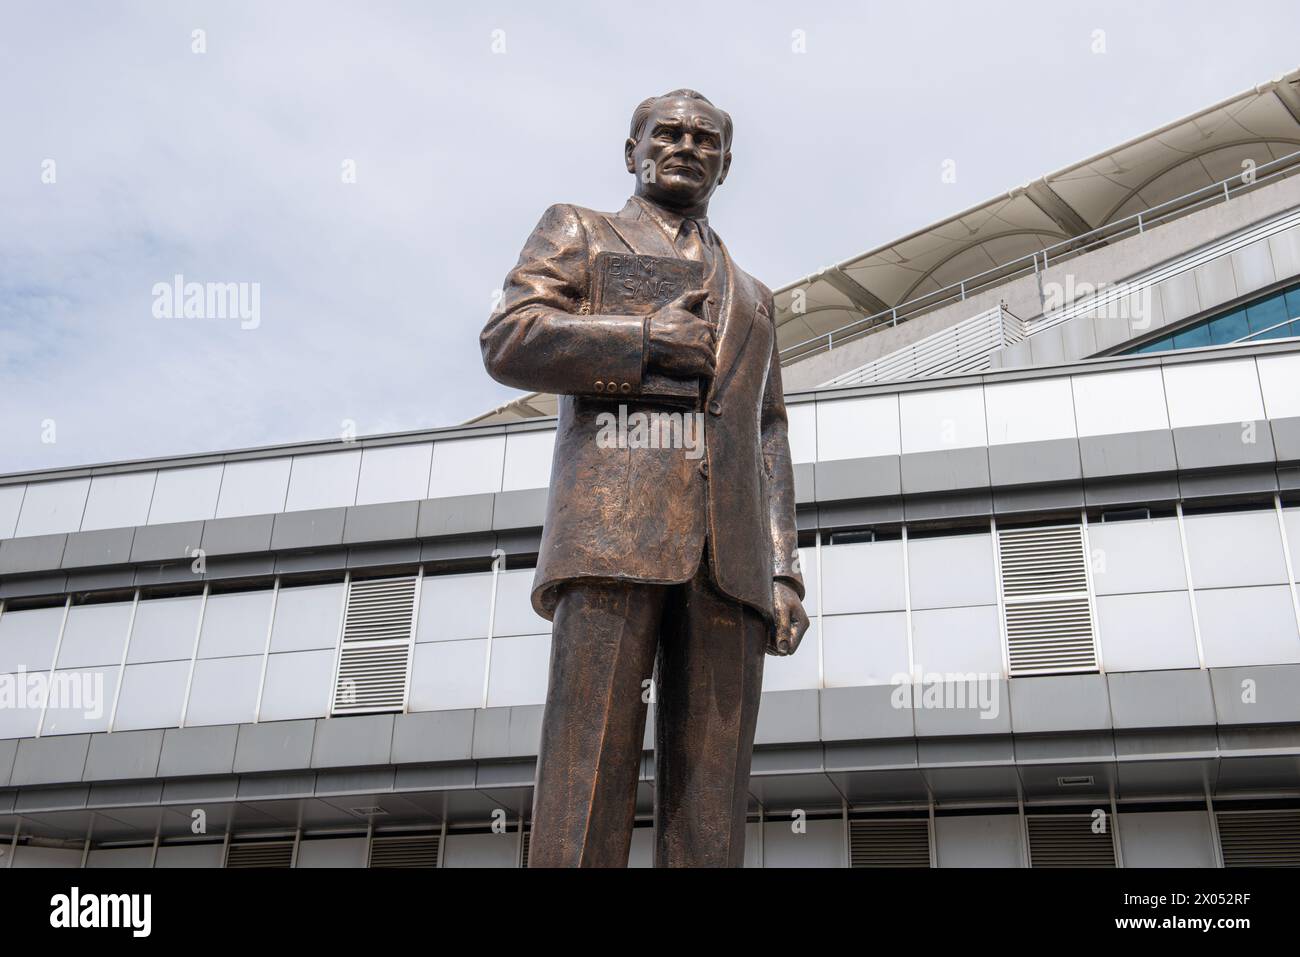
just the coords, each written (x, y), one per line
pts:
(628, 147)
(726, 168)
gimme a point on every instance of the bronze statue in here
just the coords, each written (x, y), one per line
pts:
(656, 556)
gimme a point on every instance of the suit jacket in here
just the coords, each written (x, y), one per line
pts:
(641, 514)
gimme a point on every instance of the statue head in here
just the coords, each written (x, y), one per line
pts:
(679, 149)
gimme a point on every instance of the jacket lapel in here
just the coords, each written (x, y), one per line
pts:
(639, 236)
(735, 322)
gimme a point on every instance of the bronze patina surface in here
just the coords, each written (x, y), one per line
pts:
(676, 558)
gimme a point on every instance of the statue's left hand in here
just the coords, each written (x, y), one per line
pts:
(791, 621)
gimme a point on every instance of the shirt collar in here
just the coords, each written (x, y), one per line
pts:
(670, 221)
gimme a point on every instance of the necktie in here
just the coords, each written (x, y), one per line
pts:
(691, 244)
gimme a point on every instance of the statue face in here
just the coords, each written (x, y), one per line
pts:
(682, 143)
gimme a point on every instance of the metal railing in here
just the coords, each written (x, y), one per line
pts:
(1138, 222)
(964, 347)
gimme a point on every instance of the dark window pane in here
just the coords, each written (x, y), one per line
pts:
(1229, 328)
(1293, 303)
(1159, 345)
(1193, 338)
(1268, 313)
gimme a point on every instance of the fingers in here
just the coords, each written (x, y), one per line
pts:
(690, 298)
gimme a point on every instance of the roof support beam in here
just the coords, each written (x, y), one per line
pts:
(859, 295)
(1285, 91)
(1057, 209)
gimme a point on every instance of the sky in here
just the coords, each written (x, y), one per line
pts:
(369, 172)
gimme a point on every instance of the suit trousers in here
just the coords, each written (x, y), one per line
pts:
(706, 651)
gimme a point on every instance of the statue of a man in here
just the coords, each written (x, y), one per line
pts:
(658, 558)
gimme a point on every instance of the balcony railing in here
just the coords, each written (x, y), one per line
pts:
(1039, 260)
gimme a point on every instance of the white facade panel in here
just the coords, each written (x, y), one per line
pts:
(1029, 410)
(95, 634)
(951, 571)
(454, 607)
(118, 501)
(299, 684)
(528, 460)
(979, 840)
(858, 428)
(1112, 403)
(467, 466)
(867, 576)
(1211, 393)
(520, 669)
(51, 508)
(448, 675)
(1235, 548)
(1136, 556)
(1248, 626)
(861, 650)
(1147, 632)
(394, 473)
(326, 480)
(254, 487)
(186, 494)
(957, 641)
(939, 419)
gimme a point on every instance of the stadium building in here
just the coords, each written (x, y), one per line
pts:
(1048, 465)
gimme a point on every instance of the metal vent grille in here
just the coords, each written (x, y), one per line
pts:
(898, 843)
(405, 851)
(1047, 606)
(375, 656)
(527, 843)
(260, 854)
(1068, 840)
(1259, 838)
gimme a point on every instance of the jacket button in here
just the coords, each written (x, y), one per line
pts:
(600, 387)
(715, 407)
(704, 468)
(612, 387)
(625, 388)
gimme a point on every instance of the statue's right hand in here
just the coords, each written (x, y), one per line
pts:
(682, 343)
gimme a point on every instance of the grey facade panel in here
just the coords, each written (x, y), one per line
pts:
(963, 708)
(36, 553)
(1059, 703)
(241, 566)
(355, 781)
(100, 579)
(433, 736)
(1286, 438)
(387, 522)
(458, 515)
(1226, 444)
(129, 794)
(109, 546)
(520, 509)
(1161, 699)
(326, 559)
(53, 760)
(854, 714)
(1232, 482)
(805, 486)
(1131, 453)
(788, 716)
(949, 470)
(352, 742)
(262, 786)
(887, 512)
(454, 549)
(1138, 490)
(370, 556)
(34, 585)
(858, 478)
(200, 789)
(1257, 694)
(933, 508)
(123, 755)
(32, 800)
(166, 574)
(274, 746)
(234, 536)
(520, 542)
(1023, 463)
(525, 730)
(195, 751)
(161, 543)
(1011, 501)
(491, 733)
(316, 528)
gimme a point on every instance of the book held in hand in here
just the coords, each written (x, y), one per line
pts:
(626, 284)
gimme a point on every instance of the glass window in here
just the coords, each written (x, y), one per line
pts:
(307, 617)
(1292, 297)
(1193, 338)
(235, 623)
(1229, 328)
(1263, 316)
(95, 634)
(165, 629)
(27, 638)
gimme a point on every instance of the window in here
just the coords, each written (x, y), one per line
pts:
(1275, 316)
